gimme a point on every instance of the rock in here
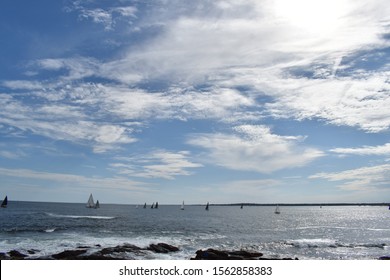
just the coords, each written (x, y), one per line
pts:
(32, 251)
(246, 254)
(385, 258)
(3, 256)
(69, 254)
(212, 254)
(120, 249)
(16, 255)
(162, 248)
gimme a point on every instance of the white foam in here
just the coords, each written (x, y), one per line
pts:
(80, 217)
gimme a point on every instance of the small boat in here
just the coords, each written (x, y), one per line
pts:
(182, 206)
(277, 210)
(207, 207)
(145, 205)
(242, 206)
(5, 202)
(151, 207)
(90, 203)
(97, 205)
(156, 206)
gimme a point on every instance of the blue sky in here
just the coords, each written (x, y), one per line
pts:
(222, 101)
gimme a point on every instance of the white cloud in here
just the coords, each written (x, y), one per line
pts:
(62, 179)
(255, 148)
(360, 101)
(360, 179)
(381, 150)
(157, 164)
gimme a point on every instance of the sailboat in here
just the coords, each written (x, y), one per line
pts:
(242, 206)
(207, 207)
(5, 202)
(152, 205)
(182, 206)
(145, 205)
(90, 203)
(97, 205)
(277, 210)
(156, 206)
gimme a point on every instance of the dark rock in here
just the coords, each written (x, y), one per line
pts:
(162, 248)
(385, 258)
(16, 255)
(3, 256)
(246, 254)
(120, 249)
(69, 254)
(32, 251)
(212, 254)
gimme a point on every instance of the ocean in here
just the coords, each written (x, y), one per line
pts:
(303, 232)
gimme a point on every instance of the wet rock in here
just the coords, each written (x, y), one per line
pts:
(212, 254)
(385, 258)
(126, 248)
(69, 254)
(3, 256)
(16, 255)
(162, 248)
(32, 251)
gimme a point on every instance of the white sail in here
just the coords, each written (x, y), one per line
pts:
(277, 210)
(182, 206)
(90, 203)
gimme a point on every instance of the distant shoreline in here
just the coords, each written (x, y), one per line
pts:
(231, 204)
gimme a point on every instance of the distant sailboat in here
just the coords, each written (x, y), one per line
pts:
(207, 207)
(182, 206)
(152, 205)
(5, 202)
(145, 205)
(90, 203)
(156, 206)
(277, 210)
(242, 206)
(97, 205)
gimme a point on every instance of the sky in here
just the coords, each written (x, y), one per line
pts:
(258, 101)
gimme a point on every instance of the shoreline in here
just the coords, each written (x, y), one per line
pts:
(126, 251)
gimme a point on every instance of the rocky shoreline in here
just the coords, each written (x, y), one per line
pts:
(122, 252)
(129, 251)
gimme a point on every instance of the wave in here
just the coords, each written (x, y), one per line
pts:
(80, 217)
(329, 243)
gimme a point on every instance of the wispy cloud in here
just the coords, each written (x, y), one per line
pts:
(157, 164)
(380, 150)
(360, 179)
(255, 148)
(62, 179)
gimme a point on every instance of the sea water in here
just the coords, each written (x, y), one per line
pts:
(305, 232)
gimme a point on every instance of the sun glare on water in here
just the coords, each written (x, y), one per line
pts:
(311, 15)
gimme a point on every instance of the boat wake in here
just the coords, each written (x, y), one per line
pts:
(80, 217)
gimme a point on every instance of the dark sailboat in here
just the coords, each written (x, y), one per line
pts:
(5, 202)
